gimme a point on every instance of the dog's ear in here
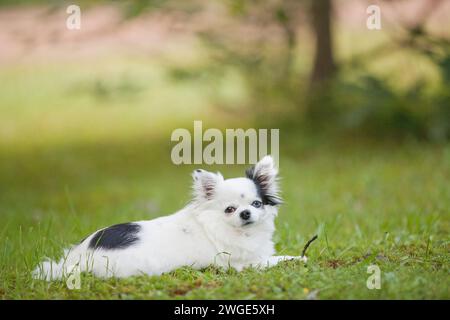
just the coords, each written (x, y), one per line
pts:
(205, 184)
(265, 176)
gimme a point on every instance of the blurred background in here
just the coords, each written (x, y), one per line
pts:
(86, 115)
(95, 107)
(140, 67)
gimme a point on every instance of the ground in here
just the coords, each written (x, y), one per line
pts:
(377, 207)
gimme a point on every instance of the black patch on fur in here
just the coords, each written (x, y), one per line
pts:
(119, 236)
(261, 187)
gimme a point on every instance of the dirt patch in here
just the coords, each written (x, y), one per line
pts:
(334, 263)
(186, 288)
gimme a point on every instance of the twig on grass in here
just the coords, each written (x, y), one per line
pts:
(308, 244)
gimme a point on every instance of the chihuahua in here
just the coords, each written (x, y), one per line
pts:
(229, 223)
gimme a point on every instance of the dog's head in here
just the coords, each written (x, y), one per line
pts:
(239, 202)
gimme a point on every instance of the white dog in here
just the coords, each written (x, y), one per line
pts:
(229, 223)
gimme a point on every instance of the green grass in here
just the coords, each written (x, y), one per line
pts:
(74, 158)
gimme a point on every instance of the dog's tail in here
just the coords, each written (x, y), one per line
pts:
(55, 270)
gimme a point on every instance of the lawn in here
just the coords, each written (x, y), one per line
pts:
(85, 150)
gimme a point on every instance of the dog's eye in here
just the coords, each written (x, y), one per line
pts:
(230, 209)
(257, 204)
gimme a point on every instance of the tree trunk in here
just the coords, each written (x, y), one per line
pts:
(324, 65)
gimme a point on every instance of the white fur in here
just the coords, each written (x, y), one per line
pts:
(199, 235)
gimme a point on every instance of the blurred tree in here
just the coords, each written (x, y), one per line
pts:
(260, 40)
(324, 63)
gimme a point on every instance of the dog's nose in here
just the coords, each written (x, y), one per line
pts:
(245, 215)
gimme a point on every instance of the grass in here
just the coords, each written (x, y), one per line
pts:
(76, 158)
